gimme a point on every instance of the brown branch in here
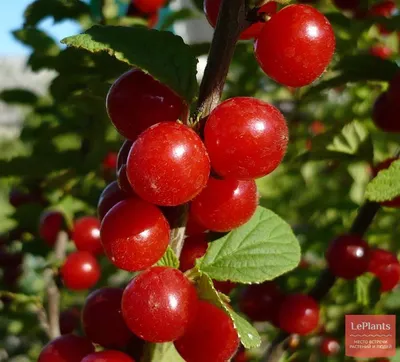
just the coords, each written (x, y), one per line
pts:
(177, 236)
(52, 291)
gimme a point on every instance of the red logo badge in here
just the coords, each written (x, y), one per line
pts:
(369, 336)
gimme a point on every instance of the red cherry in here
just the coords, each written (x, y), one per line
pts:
(381, 51)
(110, 161)
(225, 204)
(330, 346)
(168, 164)
(384, 8)
(224, 286)
(110, 196)
(260, 302)
(241, 356)
(152, 18)
(286, 41)
(70, 320)
(69, 348)
(394, 87)
(298, 313)
(395, 203)
(123, 153)
(210, 337)
(350, 5)
(149, 6)
(134, 234)
(19, 198)
(86, 235)
(123, 182)
(108, 356)
(384, 113)
(80, 271)
(102, 318)
(50, 224)
(317, 127)
(193, 227)
(246, 138)
(379, 258)
(195, 247)
(348, 256)
(158, 304)
(389, 276)
(211, 9)
(136, 101)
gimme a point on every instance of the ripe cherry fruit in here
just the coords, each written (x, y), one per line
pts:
(225, 287)
(123, 182)
(384, 113)
(195, 247)
(123, 153)
(149, 6)
(329, 346)
(298, 313)
(211, 9)
(350, 5)
(80, 271)
(137, 101)
(70, 320)
(395, 203)
(168, 164)
(110, 161)
(224, 205)
(50, 224)
(379, 258)
(158, 304)
(69, 348)
(86, 235)
(108, 356)
(193, 227)
(246, 138)
(285, 43)
(381, 51)
(210, 337)
(134, 234)
(102, 318)
(348, 256)
(110, 196)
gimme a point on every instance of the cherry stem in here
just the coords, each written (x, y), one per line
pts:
(52, 319)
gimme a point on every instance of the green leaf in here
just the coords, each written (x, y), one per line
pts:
(386, 185)
(18, 96)
(262, 249)
(161, 352)
(182, 14)
(57, 9)
(367, 290)
(169, 259)
(350, 143)
(247, 333)
(37, 39)
(175, 68)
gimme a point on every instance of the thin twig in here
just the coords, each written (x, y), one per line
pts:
(177, 237)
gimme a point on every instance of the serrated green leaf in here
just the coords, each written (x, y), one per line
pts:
(262, 249)
(175, 68)
(18, 96)
(161, 352)
(57, 9)
(169, 259)
(247, 333)
(386, 185)
(367, 290)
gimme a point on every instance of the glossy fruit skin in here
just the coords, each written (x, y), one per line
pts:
(195, 247)
(123, 182)
(224, 205)
(80, 271)
(102, 318)
(224, 286)
(110, 196)
(108, 356)
(123, 153)
(149, 6)
(50, 224)
(164, 147)
(110, 161)
(298, 313)
(348, 256)
(137, 101)
(347, 4)
(159, 296)
(286, 41)
(70, 320)
(395, 203)
(389, 276)
(210, 337)
(379, 258)
(86, 235)
(134, 234)
(246, 138)
(211, 9)
(68, 348)
(260, 302)
(329, 346)
(193, 227)
(384, 113)
(381, 51)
